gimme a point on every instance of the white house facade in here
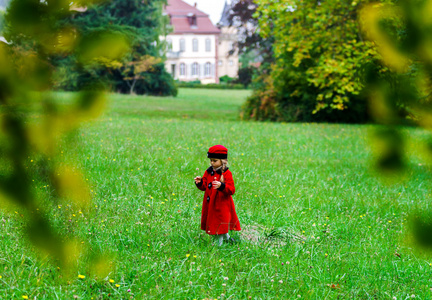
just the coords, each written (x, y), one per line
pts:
(192, 46)
(192, 57)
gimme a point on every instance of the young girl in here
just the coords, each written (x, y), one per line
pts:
(218, 212)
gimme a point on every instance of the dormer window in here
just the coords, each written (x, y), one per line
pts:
(164, 14)
(192, 19)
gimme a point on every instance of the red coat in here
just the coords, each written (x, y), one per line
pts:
(218, 212)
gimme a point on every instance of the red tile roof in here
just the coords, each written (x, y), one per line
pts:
(179, 11)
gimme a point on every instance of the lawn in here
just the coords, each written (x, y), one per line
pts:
(317, 222)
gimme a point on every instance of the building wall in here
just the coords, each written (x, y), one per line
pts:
(187, 64)
(228, 64)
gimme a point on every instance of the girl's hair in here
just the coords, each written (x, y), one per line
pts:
(224, 168)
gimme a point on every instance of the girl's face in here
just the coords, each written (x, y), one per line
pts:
(215, 163)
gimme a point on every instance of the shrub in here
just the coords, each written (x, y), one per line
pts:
(155, 82)
(195, 85)
(245, 75)
(226, 79)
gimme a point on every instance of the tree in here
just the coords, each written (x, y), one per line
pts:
(256, 52)
(139, 22)
(318, 51)
(245, 75)
(1, 21)
(244, 17)
(134, 70)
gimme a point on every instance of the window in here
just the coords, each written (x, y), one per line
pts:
(182, 69)
(208, 45)
(195, 45)
(173, 70)
(182, 45)
(231, 62)
(195, 69)
(220, 62)
(207, 69)
(192, 19)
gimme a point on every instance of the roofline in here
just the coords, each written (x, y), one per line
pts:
(187, 15)
(196, 33)
(201, 13)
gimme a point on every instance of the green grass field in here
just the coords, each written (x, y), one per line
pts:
(317, 221)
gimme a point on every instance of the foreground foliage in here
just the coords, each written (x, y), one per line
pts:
(32, 122)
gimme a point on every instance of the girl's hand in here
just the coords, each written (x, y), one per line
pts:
(216, 184)
(197, 179)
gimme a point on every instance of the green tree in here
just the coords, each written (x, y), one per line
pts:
(318, 51)
(133, 70)
(140, 23)
(254, 50)
(1, 21)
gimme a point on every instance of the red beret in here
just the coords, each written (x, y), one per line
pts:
(217, 151)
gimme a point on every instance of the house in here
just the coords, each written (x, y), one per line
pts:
(228, 58)
(192, 44)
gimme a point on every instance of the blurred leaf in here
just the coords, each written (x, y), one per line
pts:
(91, 104)
(70, 185)
(62, 41)
(101, 265)
(43, 136)
(6, 75)
(102, 45)
(389, 146)
(370, 17)
(7, 202)
(33, 122)
(32, 71)
(42, 235)
(421, 229)
(73, 249)
(379, 107)
(26, 17)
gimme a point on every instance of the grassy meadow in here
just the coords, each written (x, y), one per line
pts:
(317, 222)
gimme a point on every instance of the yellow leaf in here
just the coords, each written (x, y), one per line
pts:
(7, 202)
(103, 45)
(101, 267)
(378, 106)
(370, 16)
(71, 185)
(92, 104)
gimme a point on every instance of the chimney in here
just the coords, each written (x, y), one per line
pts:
(195, 4)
